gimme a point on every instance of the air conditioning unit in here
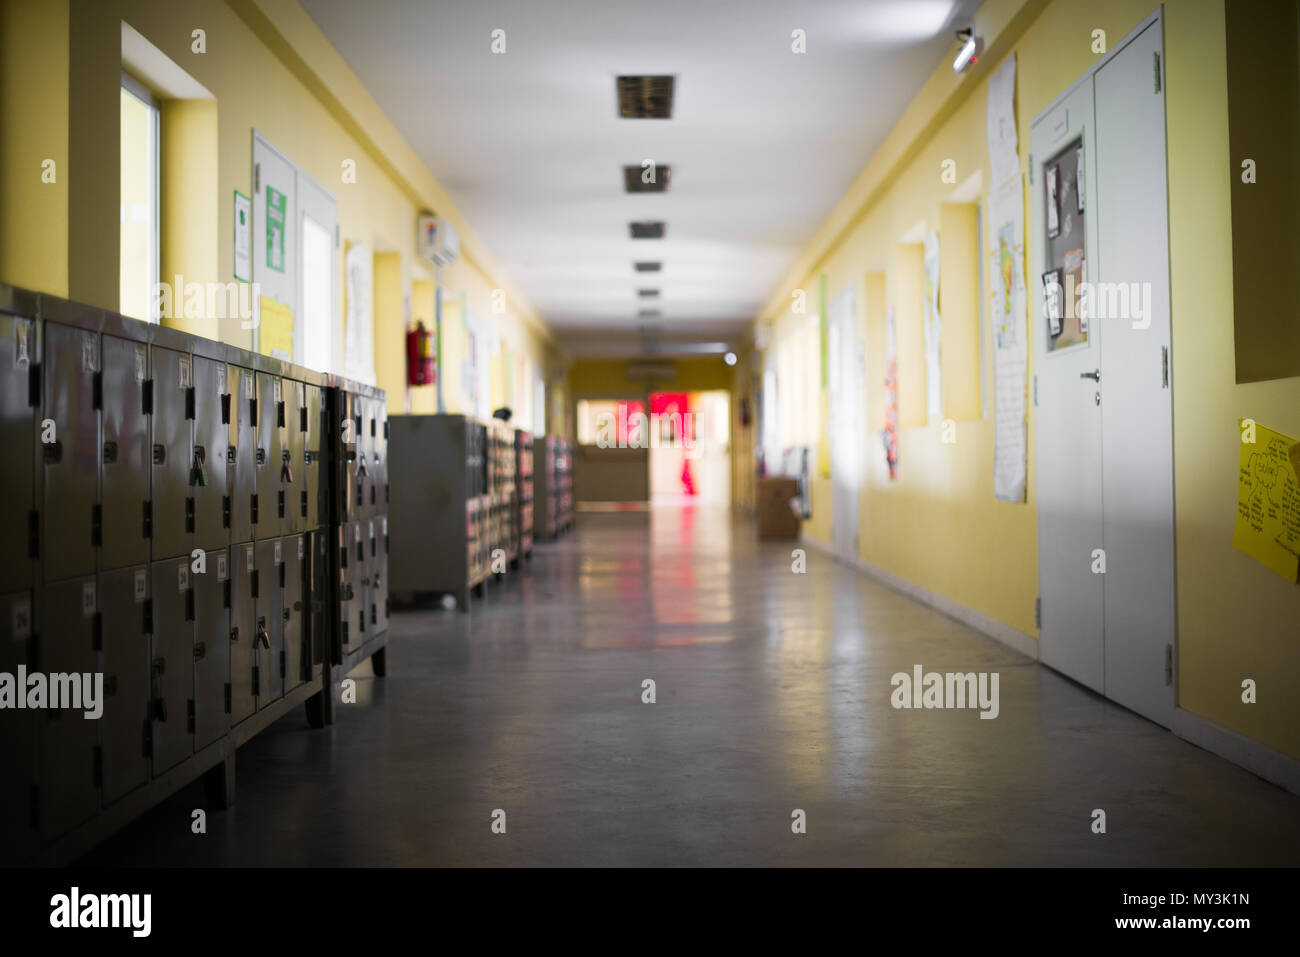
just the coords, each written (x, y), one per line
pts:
(439, 242)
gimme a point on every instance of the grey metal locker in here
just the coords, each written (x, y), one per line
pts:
(296, 634)
(270, 622)
(349, 593)
(380, 455)
(69, 791)
(212, 599)
(124, 728)
(17, 734)
(172, 665)
(173, 452)
(364, 416)
(293, 484)
(319, 614)
(312, 486)
(209, 474)
(18, 354)
(126, 453)
(269, 452)
(241, 451)
(243, 631)
(70, 512)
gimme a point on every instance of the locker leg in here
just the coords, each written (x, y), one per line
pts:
(317, 708)
(480, 590)
(379, 662)
(219, 784)
(462, 599)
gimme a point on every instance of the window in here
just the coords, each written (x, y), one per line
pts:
(317, 295)
(138, 274)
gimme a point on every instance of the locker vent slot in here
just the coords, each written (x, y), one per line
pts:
(189, 514)
(225, 409)
(279, 415)
(252, 507)
(279, 504)
(302, 419)
(148, 616)
(228, 695)
(98, 773)
(225, 593)
(146, 397)
(97, 390)
(148, 519)
(97, 631)
(255, 576)
(189, 604)
(34, 385)
(225, 511)
(189, 716)
(96, 525)
(33, 534)
(304, 504)
(252, 412)
(189, 403)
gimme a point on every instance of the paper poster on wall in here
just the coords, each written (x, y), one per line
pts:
(1010, 347)
(358, 335)
(1268, 499)
(889, 437)
(274, 329)
(1004, 160)
(243, 237)
(932, 327)
(276, 204)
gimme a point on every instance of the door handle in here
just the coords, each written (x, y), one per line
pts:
(1094, 375)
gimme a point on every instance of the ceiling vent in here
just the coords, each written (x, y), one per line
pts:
(646, 230)
(634, 178)
(645, 97)
(648, 267)
(649, 314)
(648, 293)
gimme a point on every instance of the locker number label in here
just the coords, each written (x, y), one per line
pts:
(88, 599)
(141, 364)
(141, 586)
(302, 548)
(183, 577)
(184, 374)
(88, 353)
(221, 380)
(385, 524)
(278, 558)
(22, 620)
(356, 533)
(248, 556)
(248, 385)
(222, 572)
(275, 389)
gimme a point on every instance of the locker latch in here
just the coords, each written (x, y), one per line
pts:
(261, 457)
(263, 637)
(286, 472)
(110, 453)
(200, 651)
(199, 470)
(159, 454)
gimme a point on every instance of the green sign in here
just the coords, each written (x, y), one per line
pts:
(275, 210)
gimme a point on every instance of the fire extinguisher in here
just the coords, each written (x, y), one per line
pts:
(419, 356)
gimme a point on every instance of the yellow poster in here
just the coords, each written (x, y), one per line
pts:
(275, 329)
(1268, 499)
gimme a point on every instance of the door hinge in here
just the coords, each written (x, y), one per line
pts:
(1038, 612)
(1155, 62)
(1169, 665)
(1164, 367)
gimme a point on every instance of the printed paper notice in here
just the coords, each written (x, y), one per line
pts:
(1004, 161)
(275, 329)
(243, 237)
(1010, 345)
(1268, 499)
(933, 328)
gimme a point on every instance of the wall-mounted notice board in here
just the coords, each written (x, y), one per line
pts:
(1268, 499)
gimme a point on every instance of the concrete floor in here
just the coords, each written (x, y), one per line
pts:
(773, 693)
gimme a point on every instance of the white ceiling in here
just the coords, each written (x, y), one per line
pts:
(529, 145)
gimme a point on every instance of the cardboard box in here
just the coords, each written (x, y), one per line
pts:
(776, 518)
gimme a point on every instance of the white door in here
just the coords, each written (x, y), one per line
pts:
(846, 368)
(1068, 419)
(1104, 418)
(316, 328)
(1136, 408)
(275, 247)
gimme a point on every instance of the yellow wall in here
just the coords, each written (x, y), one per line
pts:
(938, 524)
(270, 69)
(34, 214)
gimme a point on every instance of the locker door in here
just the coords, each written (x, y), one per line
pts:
(351, 443)
(173, 451)
(380, 467)
(212, 598)
(360, 584)
(379, 576)
(347, 585)
(269, 447)
(172, 667)
(270, 622)
(70, 501)
(18, 740)
(293, 473)
(18, 437)
(243, 632)
(125, 452)
(317, 576)
(124, 597)
(69, 794)
(294, 551)
(209, 485)
(241, 451)
(312, 448)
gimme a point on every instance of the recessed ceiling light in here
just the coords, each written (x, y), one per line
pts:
(648, 266)
(729, 358)
(645, 97)
(634, 178)
(648, 293)
(647, 230)
(649, 313)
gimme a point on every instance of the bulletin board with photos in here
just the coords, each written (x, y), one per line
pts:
(1065, 212)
